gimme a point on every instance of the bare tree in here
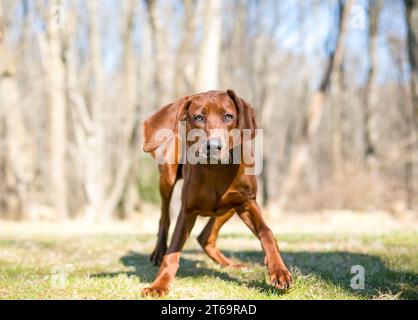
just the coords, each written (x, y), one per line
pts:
(209, 55)
(55, 78)
(103, 170)
(316, 108)
(412, 23)
(17, 163)
(129, 112)
(186, 62)
(159, 38)
(370, 95)
(412, 20)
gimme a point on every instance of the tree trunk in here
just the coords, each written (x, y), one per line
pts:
(412, 19)
(17, 160)
(162, 72)
(370, 95)
(209, 55)
(96, 175)
(185, 63)
(56, 91)
(131, 112)
(412, 23)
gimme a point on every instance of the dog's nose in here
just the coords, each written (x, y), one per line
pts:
(214, 145)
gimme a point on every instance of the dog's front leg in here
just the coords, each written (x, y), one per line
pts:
(280, 276)
(170, 264)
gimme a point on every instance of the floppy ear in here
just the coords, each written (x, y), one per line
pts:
(246, 114)
(166, 118)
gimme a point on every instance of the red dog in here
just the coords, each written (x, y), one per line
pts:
(217, 191)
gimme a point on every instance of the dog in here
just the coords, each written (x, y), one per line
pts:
(215, 190)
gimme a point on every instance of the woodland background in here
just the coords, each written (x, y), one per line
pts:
(334, 84)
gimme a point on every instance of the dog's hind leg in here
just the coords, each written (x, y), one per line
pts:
(169, 175)
(208, 236)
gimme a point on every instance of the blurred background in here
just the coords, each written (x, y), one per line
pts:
(334, 84)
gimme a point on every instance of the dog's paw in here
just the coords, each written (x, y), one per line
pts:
(280, 278)
(154, 292)
(157, 255)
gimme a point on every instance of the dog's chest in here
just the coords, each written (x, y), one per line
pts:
(214, 195)
(211, 204)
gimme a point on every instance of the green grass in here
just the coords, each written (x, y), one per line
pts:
(109, 266)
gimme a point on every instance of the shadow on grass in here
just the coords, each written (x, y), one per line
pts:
(146, 272)
(333, 267)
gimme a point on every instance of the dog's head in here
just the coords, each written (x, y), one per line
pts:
(214, 123)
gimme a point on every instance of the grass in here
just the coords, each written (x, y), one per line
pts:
(116, 266)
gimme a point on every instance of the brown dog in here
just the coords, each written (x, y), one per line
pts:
(217, 191)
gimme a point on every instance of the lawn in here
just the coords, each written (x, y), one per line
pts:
(115, 265)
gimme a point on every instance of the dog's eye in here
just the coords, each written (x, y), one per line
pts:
(229, 117)
(199, 118)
